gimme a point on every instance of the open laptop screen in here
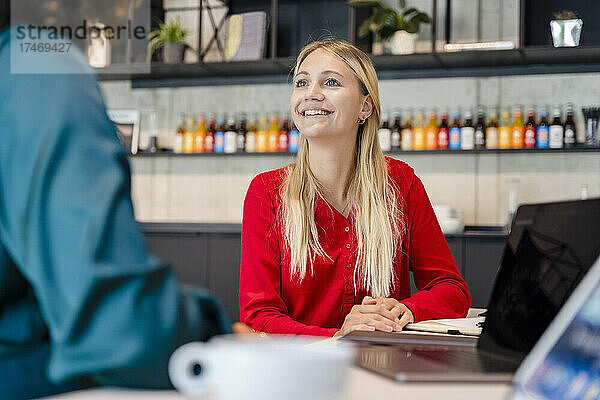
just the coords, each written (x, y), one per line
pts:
(550, 248)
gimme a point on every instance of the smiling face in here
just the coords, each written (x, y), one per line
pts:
(327, 100)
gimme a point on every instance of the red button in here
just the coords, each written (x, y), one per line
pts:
(347, 229)
(348, 266)
(348, 245)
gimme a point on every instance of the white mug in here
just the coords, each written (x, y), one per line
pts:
(234, 368)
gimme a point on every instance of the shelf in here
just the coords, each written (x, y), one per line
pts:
(171, 154)
(413, 152)
(525, 61)
(201, 74)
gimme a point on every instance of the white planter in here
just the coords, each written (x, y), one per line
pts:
(401, 43)
(566, 33)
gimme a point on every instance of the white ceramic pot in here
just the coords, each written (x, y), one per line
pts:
(451, 220)
(401, 43)
(566, 33)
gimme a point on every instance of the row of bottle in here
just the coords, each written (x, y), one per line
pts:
(226, 136)
(492, 134)
(196, 136)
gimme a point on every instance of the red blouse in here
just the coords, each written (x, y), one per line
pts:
(271, 302)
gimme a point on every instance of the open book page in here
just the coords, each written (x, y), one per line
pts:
(464, 326)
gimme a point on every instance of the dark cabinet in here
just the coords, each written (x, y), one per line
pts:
(186, 253)
(206, 255)
(224, 270)
(482, 260)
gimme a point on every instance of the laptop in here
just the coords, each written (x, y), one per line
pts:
(564, 364)
(550, 248)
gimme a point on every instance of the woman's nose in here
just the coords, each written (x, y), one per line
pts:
(314, 92)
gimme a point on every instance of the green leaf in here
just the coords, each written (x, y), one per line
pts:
(364, 29)
(409, 11)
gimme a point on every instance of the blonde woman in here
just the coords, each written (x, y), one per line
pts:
(328, 242)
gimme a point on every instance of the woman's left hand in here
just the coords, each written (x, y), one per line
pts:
(400, 310)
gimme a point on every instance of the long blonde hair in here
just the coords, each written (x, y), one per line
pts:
(372, 197)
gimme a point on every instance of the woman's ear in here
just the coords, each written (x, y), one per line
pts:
(367, 106)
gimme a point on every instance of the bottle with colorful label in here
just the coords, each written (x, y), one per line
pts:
(220, 136)
(406, 134)
(261, 135)
(251, 135)
(179, 133)
(284, 135)
(504, 131)
(188, 136)
(491, 132)
(419, 131)
(241, 134)
(480, 129)
(431, 133)
(557, 130)
(200, 136)
(396, 129)
(454, 133)
(530, 130)
(230, 144)
(384, 134)
(570, 129)
(273, 134)
(542, 133)
(443, 133)
(209, 140)
(518, 130)
(294, 139)
(467, 132)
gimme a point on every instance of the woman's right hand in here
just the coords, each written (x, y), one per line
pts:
(370, 316)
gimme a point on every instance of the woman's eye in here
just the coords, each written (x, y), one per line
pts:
(300, 83)
(332, 82)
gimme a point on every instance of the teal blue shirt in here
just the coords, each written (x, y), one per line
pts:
(75, 274)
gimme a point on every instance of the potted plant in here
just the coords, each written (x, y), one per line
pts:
(566, 29)
(395, 32)
(170, 37)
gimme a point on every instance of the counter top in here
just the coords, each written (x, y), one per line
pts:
(185, 228)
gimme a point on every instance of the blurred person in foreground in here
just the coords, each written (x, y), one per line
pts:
(82, 302)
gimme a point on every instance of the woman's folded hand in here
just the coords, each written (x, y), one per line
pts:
(395, 307)
(370, 316)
